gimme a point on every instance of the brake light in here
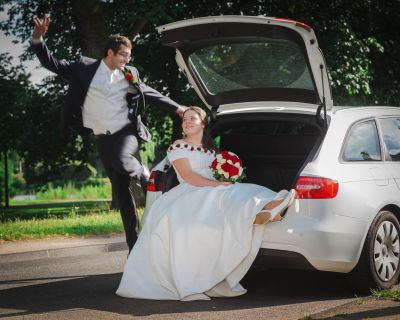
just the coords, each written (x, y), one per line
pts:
(297, 23)
(156, 182)
(151, 185)
(316, 188)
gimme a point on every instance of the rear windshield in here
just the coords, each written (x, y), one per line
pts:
(266, 64)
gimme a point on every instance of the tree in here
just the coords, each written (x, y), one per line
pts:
(14, 88)
(361, 52)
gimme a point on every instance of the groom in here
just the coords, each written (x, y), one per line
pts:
(108, 97)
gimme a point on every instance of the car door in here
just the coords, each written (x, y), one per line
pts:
(390, 132)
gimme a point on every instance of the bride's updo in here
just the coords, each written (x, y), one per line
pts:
(207, 141)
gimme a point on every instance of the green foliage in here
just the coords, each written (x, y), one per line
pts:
(353, 74)
(388, 294)
(15, 90)
(70, 191)
(2, 173)
(362, 55)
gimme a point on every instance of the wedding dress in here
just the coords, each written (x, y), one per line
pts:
(196, 242)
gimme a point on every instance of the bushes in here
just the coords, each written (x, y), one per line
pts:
(90, 189)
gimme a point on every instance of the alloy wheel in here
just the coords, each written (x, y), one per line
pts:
(386, 251)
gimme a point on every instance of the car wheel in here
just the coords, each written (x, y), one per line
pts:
(378, 267)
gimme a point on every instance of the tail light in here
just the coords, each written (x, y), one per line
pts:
(316, 188)
(156, 181)
(297, 23)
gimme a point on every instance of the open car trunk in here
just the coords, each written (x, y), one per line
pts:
(274, 147)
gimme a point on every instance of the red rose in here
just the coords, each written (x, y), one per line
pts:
(233, 171)
(227, 156)
(230, 169)
(225, 167)
(214, 164)
(129, 76)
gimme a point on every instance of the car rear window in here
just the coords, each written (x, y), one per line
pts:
(362, 143)
(267, 64)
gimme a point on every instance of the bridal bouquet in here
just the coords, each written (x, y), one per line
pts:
(227, 166)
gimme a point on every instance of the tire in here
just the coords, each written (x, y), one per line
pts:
(379, 266)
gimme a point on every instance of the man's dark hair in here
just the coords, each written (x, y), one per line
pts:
(115, 41)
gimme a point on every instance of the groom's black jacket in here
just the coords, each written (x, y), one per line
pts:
(79, 74)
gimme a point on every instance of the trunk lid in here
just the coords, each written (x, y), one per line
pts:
(240, 59)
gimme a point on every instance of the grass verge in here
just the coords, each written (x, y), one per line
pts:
(52, 209)
(386, 294)
(60, 219)
(95, 224)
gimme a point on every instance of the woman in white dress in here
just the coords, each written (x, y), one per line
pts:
(201, 237)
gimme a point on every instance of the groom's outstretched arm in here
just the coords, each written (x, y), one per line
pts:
(60, 67)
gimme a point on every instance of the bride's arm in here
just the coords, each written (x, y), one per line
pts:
(183, 168)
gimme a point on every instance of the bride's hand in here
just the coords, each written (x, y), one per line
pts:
(224, 183)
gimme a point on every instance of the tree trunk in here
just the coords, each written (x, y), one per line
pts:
(90, 26)
(6, 193)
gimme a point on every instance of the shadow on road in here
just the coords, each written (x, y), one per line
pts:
(97, 292)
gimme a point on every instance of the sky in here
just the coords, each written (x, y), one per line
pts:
(6, 45)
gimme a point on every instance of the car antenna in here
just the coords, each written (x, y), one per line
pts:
(323, 104)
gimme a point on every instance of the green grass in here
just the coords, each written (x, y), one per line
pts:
(96, 224)
(58, 209)
(83, 218)
(386, 294)
(70, 191)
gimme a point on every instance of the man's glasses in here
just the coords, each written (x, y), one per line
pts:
(125, 55)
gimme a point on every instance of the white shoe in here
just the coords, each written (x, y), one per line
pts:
(288, 197)
(281, 194)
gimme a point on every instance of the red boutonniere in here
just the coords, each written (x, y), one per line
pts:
(129, 76)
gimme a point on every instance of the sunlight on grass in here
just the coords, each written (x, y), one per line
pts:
(103, 223)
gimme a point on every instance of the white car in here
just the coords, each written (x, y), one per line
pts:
(265, 82)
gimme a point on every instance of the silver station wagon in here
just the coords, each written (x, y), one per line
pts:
(265, 82)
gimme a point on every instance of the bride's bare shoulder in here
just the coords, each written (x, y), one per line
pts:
(179, 141)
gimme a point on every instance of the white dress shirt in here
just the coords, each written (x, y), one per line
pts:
(105, 109)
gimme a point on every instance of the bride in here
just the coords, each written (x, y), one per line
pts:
(201, 237)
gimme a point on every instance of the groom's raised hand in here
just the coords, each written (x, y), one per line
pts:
(41, 27)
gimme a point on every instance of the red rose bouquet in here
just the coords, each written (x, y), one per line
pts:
(227, 166)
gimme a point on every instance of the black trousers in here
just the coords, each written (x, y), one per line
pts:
(118, 154)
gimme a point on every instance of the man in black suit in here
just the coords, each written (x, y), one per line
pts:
(108, 97)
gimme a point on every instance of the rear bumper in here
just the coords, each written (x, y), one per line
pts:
(327, 241)
(310, 236)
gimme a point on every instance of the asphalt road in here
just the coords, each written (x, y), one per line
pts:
(82, 287)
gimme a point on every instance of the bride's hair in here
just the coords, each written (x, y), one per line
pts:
(207, 141)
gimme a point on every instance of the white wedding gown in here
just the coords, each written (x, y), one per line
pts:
(196, 242)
